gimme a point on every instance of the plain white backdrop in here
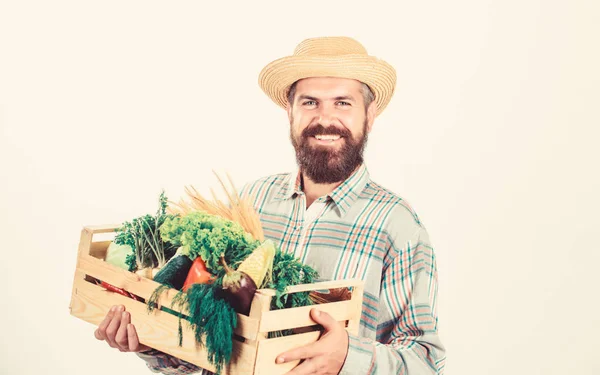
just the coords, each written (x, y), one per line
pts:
(491, 136)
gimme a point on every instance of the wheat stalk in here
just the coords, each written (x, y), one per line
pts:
(236, 209)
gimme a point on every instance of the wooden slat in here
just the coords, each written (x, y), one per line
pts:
(85, 241)
(106, 228)
(321, 285)
(98, 249)
(356, 309)
(140, 286)
(268, 350)
(124, 279)
(300, 316)
(158, 330)
(267, 292)
(261, 303)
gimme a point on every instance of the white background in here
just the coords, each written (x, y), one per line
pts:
(491, 136)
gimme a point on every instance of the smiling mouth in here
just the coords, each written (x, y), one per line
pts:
(327, 137)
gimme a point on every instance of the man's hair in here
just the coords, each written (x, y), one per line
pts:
(368, 95)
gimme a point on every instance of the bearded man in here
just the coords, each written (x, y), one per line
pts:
(333, 217)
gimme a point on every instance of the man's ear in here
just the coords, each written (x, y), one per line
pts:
(371, 113)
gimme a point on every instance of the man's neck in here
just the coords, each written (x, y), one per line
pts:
(314, 191)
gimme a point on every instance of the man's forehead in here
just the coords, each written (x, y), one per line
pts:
(328, 85)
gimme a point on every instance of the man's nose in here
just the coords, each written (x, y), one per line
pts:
(326, 115)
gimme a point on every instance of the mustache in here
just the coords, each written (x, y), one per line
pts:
(321, 130)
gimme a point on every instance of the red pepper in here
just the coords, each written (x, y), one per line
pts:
(121, 291)
(198, 274)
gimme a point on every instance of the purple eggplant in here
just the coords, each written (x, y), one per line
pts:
(238, 289)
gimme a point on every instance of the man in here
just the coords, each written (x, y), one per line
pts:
(334, 218)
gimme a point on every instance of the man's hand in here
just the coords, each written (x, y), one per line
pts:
(327, 355)
(116, 329)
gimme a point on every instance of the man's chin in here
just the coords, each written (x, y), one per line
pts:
(326, 175)
(331, 151)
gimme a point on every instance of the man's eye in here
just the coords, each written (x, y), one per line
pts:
(343, 103)
(309, 102)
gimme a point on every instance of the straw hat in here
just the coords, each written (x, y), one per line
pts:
(341, 57)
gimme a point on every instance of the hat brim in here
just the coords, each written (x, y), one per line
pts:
(276, 78)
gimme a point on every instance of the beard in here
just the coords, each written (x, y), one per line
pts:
(324, 164)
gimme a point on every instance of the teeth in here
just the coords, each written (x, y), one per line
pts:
(327, 137)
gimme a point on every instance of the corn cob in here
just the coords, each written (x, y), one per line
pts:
(259, 264)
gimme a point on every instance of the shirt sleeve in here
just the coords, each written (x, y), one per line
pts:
(244, 192)
(407, 337)
(162, 363)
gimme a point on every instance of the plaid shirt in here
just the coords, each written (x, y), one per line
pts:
(361, 230)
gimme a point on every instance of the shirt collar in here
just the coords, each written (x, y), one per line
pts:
(343, 196)
(348, 192)
(290, 186)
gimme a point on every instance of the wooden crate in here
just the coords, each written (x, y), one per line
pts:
(253, 352)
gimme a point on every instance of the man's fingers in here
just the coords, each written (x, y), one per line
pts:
(303, 352)
(113, 327)
(307, 367)
(121, 336)
(99, 335)
(133, 339)
(313, 349)
(116, 329)
(100, 332)
(324, 319)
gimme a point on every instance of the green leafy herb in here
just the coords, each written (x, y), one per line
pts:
(143, 235)
(288, 271)
(130, 260)
(212, 319)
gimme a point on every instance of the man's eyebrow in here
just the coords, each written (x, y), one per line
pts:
(343, 97)
(302, 97)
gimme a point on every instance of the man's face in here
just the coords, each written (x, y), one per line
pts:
(328, 127)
